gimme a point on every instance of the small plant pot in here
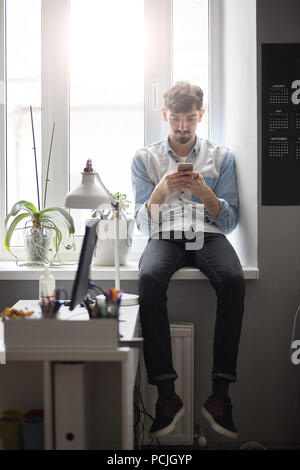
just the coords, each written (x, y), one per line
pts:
(104, 254)
(37, 245)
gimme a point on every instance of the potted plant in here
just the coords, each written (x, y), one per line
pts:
(42, 226)
(104, 253)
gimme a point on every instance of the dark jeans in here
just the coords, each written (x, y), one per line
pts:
(219, 262)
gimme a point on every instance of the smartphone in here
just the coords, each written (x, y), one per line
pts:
(185, 166)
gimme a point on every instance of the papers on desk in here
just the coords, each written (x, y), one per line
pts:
(79, 313)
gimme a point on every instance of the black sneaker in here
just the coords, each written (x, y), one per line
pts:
(168, 412)
(219, 414)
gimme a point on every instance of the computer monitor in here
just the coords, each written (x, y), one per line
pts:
(82, 279)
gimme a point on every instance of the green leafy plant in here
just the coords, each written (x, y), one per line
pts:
(124, 205)
(39, 222)
(47, 218)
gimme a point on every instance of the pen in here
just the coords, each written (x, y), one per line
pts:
(118, 304)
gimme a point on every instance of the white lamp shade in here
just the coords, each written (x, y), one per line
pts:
(88, 195)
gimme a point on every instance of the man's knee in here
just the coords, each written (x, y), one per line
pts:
(232, 282)
(146, 278)
(149, 279)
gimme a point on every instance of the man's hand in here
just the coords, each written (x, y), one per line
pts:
(173, 181)
(190, 180)
(170, 182)
(195, 183)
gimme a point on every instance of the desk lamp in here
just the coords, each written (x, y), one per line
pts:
(88, 195)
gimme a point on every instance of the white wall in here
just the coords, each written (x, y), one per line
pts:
(234, 107)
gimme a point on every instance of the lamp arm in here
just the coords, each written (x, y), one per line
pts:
(112, 201)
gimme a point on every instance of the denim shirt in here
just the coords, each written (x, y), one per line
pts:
(214, 162)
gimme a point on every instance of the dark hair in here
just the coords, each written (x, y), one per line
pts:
(181, 97)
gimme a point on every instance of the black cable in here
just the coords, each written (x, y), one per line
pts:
(87, 306)
(139, 398)
(142, 411)
(141, 433)
(91, 300)
(94, 286)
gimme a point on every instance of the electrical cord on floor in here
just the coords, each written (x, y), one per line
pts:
(140, 437)
(141, 411)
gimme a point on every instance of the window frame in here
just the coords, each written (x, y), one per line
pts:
(55, 95)
(3, 184)
(55, 98)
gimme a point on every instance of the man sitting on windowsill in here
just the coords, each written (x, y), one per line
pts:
(186, 215)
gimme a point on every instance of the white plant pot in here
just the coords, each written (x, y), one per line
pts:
(104, 254)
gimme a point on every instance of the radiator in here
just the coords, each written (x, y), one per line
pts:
(182, 340)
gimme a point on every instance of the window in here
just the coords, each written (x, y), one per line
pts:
(106, 90)
(98, 70)
(23, 89)
(190, 48)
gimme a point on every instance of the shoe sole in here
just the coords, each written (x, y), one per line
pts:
(165, 431)
(216, 427)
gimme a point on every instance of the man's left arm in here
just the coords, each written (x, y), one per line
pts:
(226, 191)
(222, 203)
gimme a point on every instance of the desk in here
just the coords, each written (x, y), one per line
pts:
(126, 357)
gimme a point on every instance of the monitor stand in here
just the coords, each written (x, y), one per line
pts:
(87, 301)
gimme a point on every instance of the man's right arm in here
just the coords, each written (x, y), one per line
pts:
(149, 198)
(156, 199)
(144, 193)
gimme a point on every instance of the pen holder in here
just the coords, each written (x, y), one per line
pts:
(108, 305)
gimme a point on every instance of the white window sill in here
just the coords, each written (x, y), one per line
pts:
(10, 271)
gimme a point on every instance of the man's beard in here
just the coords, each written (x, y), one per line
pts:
(182, 139)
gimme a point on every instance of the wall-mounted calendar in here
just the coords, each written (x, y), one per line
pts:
(280, 124)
